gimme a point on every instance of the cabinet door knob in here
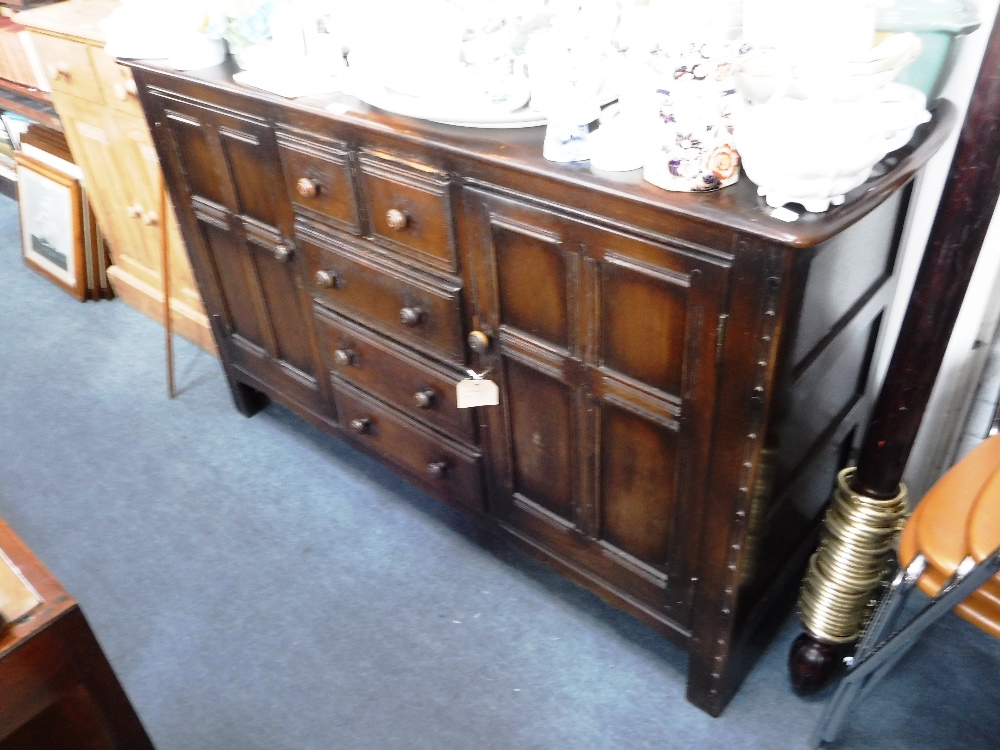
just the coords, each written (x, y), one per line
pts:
(124, 89)
(479, 342)
(325, 279)
(134, 211)
(282, 252)
(397, 219)
(437, 469)
(307, 187)
(344, 357)
(361, 425)
(411, 316)
(425, 399)
(150, 219)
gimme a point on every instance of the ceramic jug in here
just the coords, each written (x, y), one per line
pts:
(694, 100)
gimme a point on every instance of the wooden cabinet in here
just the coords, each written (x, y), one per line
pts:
(95, 98)
(617, 337)
(681, 376)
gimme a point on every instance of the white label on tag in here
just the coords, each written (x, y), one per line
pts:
(477, 393)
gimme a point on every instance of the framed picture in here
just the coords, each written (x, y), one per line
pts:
(52, 232)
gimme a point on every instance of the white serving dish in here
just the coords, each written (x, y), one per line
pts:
(812, 152)
(460, 111)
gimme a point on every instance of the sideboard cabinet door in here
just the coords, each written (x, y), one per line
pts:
(604, 347)
(231, 183)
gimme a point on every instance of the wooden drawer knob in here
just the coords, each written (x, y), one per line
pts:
(425, 399)
(325, 279)
(58, 70)
(397, 219)
(344, 357)
(479, 342)
(411, 316)
(307, 187)
(150, 219)
(282, 252)
(437, 469)
(361, 425)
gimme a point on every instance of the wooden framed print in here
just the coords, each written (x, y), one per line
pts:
(52, 237)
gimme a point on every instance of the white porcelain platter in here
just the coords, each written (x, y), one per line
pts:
(447, 113)
(463, 111)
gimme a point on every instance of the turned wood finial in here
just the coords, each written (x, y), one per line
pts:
(812, 663)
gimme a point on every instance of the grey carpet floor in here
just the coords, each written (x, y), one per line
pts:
(257, 584)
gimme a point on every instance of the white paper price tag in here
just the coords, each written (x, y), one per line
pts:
(477, 392)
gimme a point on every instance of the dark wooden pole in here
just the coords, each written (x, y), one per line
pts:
(963, 216)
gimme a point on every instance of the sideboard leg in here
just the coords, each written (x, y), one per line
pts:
(704, 689)
(248, 400)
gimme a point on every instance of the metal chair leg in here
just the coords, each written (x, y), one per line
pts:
(881, 623)
(881, 657)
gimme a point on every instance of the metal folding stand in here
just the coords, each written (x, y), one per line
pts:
(877, 655)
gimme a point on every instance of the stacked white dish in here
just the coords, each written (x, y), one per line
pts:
(766, 73)
(821, 108)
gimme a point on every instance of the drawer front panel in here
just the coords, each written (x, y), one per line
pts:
(417, 309)
(116, 83)
(67, 65)
(415, 386)
(319, 181)
(447, 470)
(410, 211)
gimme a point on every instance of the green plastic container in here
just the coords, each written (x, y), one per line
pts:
(939, 24)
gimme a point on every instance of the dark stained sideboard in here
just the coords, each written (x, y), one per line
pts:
(681, 375)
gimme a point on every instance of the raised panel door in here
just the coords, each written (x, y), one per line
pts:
(142, 259)
(230, 169)
(604, 347)
(135, 149)
(91, 137)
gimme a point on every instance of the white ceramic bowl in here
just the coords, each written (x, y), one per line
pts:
(812, 152)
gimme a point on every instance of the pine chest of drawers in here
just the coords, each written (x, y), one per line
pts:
(680, 375)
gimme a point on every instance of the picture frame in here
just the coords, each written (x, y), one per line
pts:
(52, 231)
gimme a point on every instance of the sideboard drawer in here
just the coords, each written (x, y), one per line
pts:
(422, 310)
(414, 385)
(319, 181)
(448, 470)
(409, 210)
(67, 65)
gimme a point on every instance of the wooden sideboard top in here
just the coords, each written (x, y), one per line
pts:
(737, 207)
(74, 19)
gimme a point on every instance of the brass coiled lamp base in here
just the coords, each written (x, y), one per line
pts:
(849, 565)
